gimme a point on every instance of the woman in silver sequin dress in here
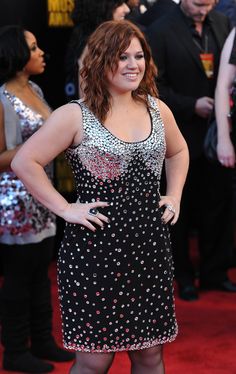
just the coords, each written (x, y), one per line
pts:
(115, 268)
(27, 228)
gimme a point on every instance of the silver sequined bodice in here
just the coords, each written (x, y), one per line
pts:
(104, 157)
(22, 218)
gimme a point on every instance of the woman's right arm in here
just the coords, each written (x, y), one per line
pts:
(61, 130)
(226, 76)
(6, 156)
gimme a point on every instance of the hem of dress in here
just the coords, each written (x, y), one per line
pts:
(134, 347)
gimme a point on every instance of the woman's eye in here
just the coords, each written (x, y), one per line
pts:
(33, 48)
(123, 58)
(139, 57)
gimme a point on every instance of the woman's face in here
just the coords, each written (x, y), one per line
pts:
(130, 70)
(120, 12)
(36, 63)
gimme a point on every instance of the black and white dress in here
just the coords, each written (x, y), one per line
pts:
(115, 284)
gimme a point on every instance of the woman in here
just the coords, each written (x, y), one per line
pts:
(87, 15)
(115, 265)
(225, 80)
(27, 229)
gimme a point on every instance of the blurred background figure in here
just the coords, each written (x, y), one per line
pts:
(225, 124)
(27, 229)
(225, 81)
(156, 11)
(137, 8)
(87, 15)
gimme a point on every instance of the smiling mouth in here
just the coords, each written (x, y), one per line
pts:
(131, 75)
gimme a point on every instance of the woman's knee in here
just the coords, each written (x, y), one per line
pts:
(93, 363)
(149, 357)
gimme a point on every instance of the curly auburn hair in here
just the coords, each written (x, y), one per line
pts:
(104, 48)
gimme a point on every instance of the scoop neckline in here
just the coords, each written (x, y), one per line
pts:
(25, 105)
(121, 140)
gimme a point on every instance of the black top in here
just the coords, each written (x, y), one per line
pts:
(205, 43)
(159, 9)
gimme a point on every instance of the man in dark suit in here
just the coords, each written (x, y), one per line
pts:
(186, 46)
(156, 11)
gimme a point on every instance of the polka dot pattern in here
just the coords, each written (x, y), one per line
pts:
(115, 285)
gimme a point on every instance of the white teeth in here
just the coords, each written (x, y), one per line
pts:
(131, 75)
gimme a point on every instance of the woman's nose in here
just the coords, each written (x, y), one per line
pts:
(132, 63)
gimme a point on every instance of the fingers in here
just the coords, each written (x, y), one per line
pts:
(168, 216)
(93, 217)
(171, 212)
(98, 204)
(87, 214)
(103, 218)
(227, 162)
(94, 214)
(175, 219)
(87, 224)
(99, 219)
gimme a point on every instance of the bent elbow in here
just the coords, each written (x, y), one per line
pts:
(15, 164)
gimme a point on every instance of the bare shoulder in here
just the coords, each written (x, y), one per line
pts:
(165, 112)
(68, 111)
(174, 139)
(67, 117)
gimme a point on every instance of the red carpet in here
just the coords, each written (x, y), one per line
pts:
(206, 341)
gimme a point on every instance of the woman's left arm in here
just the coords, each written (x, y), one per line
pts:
(226, 76)
(176, 164)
